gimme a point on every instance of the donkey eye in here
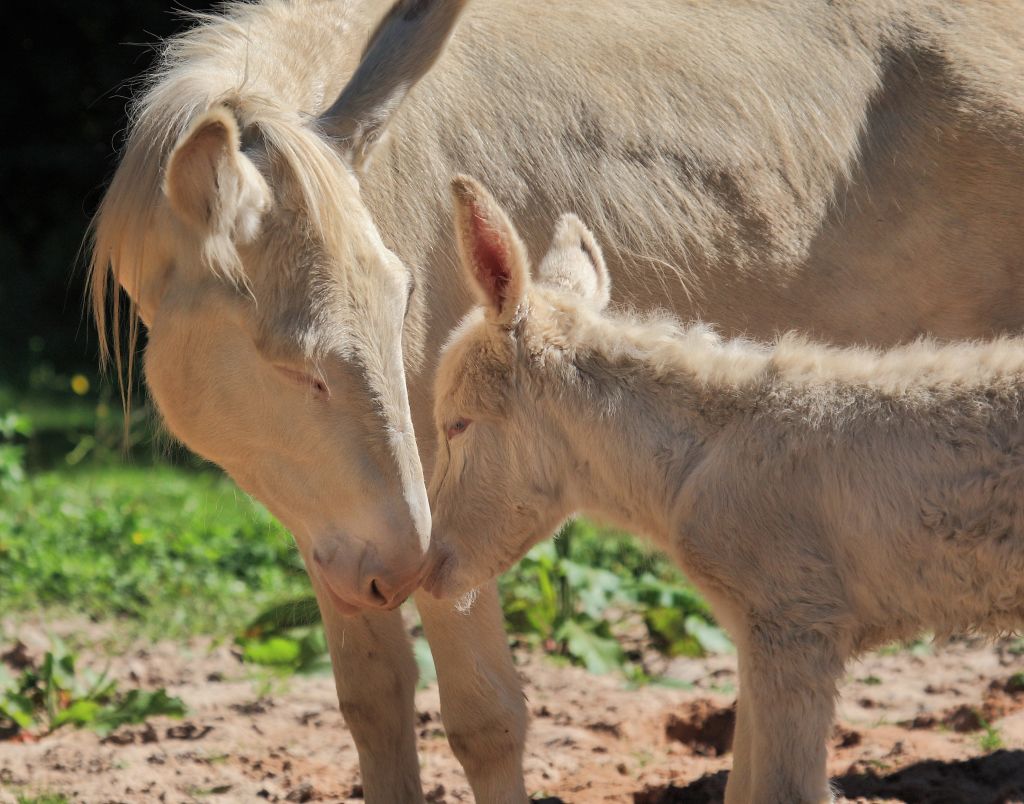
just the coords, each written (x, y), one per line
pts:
(314, 384)
(458, 427)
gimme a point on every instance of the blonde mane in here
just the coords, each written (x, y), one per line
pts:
(209, 65)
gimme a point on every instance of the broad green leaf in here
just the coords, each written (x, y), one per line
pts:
(296, 613)
(599, 654)
(424, 661)
(99, 688)
(277, 651)
(19, 709)
(64, 672)
(595, 588)
(652, 591)
(313, 657)
(8, 683)
(712, 638)
(668, 628)
(80, 713)
(137, 707)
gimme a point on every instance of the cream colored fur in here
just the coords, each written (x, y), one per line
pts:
(825, 500)
(867, 190)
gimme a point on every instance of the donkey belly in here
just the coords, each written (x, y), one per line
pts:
(873, 540)
(928, 538)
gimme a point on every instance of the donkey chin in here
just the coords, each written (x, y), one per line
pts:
(452, 574)
(445, 577)
(441, 576)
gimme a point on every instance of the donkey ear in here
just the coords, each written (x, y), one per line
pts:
(407, 42)
(211, 185)
(492, 253)
(574, 263)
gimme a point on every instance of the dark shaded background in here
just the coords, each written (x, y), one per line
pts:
(71, 70)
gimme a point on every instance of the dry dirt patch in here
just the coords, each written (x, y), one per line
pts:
(592, 738)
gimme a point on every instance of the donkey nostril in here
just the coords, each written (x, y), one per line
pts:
(318, 557)
(376, 594)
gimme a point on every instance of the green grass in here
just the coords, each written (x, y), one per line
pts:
(178, 552)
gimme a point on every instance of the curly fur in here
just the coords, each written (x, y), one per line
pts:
(827, 500)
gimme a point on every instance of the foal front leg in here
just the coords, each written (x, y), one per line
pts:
(789, 682)
(482, 702)
(737, 789)
(375, 675)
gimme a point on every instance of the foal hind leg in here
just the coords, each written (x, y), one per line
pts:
(790, 683)
(375, 675)
(482, 703)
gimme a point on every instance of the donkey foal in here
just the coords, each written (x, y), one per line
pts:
(825, 500)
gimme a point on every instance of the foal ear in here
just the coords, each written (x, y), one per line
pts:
(575, 264)
(492, 253)
(211, 185)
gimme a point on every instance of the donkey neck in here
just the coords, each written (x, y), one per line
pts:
(635, 431)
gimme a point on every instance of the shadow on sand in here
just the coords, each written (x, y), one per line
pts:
(996, 778)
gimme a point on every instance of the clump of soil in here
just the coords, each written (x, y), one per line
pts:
(706, 728)
(1003, 698)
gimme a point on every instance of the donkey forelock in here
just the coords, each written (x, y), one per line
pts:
(312, 174)
(130, 239)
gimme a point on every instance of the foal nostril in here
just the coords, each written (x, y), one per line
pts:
(318, 557)
(376, 595)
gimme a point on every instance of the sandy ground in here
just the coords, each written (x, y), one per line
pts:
(908, 731)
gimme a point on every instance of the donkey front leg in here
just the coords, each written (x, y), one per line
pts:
(375, 674)
(789, 683)
(482, 702)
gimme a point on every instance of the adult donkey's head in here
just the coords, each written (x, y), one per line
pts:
(278, 321)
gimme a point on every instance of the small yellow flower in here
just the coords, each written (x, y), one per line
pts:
(138, 537)
(80, 384)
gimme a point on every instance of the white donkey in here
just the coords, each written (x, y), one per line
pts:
(293, 265)
(825, 500)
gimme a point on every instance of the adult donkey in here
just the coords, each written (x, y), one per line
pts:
(852, 170)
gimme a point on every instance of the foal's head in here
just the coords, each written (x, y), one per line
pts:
(498, 487)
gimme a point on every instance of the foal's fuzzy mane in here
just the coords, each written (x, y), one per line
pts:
(669, 347)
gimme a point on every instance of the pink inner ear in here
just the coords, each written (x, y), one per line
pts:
(490, 259)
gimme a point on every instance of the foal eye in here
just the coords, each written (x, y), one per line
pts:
(458, 427)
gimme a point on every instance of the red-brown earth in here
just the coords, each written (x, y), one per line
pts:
(911, 727)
